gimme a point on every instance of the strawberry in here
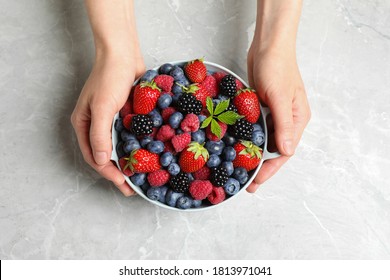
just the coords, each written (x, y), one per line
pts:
(142, 161)
(124, 167)
(210, 84)
(126, 109)
(199, 91)
(248, 155)
(146, 95)
(193, 158)
(127, 121)
(195, 70)
(247, 104)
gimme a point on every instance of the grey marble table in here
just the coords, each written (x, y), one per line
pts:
(330, 201)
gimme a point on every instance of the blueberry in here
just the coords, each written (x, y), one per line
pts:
(176, 97)
(165, 68)
(184, 202)
(166, 159)
(149, 75)
(138, 179)
(156, 118)
(145, 186)
(229, 140)
(198, 136)
(229, 153)
(153, 193)
(177, 73)
(164, 101)
(145, 141)
(213, 161)
(173, 169)
(126, 135)
(171, 197)
(201, 118)
(190, 176)
(221, 97)
(228, 165)
(183, 81)
(256, 127)
(119, 125)
(196, 203)
(179, 131)
(216, 102)
(155, 147)
(163, 192)
(119, 149)
(215, 147)
(175, 119)
(131, 145)
(232, 186)
(174, 160)
(258, 137)
(241, 175)
(177, 89)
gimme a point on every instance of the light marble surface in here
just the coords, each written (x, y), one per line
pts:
(330, 201)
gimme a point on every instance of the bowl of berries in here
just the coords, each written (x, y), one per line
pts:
(191, 136)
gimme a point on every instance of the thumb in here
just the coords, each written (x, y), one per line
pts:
(100, 134)
(282, 116)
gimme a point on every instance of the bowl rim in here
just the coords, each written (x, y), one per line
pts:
(263, 116)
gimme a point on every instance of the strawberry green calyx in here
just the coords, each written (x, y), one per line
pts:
(190, 89)
(198, 150)
(245, 90)
(219, 113)
(131, 161)
(198, 59)
(152, 84)
(251, 149)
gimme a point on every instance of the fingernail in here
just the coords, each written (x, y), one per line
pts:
(288, 147)
(100, 157)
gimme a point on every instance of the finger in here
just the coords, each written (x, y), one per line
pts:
(282, 115)
(267, 170)
(126, 189)
(100, 134)
(81, 126)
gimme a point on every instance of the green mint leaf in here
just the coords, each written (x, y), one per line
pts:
(206, 122)
(216, 128)
(209, 104)
(221, 106)
(229, 117)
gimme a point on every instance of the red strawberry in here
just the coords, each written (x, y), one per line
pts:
(179, 142)
(202, 174)
(143, 161)
(158, 178)
(193, 158)
(199, 190)
(248, 155)
(199, 91)
(218, 76)
(195, 70)
(124, 167)
(217, 195)
(211, 136)
(126, 109)
(164, 82)
(248, 104)
(127, 121)
(146, 95)
(210, 84)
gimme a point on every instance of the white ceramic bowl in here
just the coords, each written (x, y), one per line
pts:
(211, 67)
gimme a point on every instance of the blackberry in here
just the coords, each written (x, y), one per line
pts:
(219, 176)
(180, 183)
(188, 104)
(242, 129)
(141, 125)
(228, 86)
(232, 108)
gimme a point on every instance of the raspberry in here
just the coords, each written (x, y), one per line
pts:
(122, 163)
(168, 147)
(126, 109)
(210, 84)
(181, 141)
(165, 133)
(166, 113)
(218, 76)
(127, 121)
(158, 178)
(217, 195)
(190, 123)
(199, 190)
(202, 174)
(154, 132)
(239, 85)
(211, 136)
(164, 82)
